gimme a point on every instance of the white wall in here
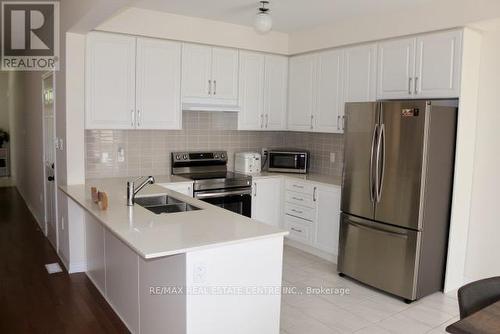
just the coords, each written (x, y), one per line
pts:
(151, 23)
(4, 101)
(432, 15)
(483, 247)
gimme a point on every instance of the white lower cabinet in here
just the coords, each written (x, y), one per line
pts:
(185, 188)
(266, 200)
(312, 214)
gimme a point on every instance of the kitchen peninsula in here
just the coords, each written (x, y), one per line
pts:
(200, 271)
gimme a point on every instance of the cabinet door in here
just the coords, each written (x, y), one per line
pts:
(158, 84)
(300, 101)
(396, 66)
(275, 92)
(94, 251)
(327, 219)
(110, 81)
(225, 75)
(251, 97)
(329, 95)
(266, 201)
(196, 71)
(438, 65)
(360, 66)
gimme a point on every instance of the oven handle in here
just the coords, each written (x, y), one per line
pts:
(222, 193)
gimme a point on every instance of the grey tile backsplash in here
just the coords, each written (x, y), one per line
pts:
(146, 152)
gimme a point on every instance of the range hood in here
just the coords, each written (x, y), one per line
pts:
(210, 107)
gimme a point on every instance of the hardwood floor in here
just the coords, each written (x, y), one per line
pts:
(31, 300)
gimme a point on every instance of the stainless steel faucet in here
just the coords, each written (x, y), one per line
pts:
(132, 190)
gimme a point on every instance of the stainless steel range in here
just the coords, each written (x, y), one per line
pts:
(213, 183)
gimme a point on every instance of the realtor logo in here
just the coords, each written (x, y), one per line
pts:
(30, 36)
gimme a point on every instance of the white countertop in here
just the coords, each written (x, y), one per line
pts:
(152, 235)
(311, 177)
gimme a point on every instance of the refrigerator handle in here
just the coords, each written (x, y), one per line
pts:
(380, 171)
(374, 136)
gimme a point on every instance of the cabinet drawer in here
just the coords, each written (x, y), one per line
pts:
(300, 230)
(300, 211)
(299, 198)
(301, 187)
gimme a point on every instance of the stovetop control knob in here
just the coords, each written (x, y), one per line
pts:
(216, 155)
(222, 155)
(185, 157)
(178, 157)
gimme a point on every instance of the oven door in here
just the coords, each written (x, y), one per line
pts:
(236, 200)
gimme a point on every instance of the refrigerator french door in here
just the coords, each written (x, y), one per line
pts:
(396, 194)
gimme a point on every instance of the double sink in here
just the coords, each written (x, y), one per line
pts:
(164, 204)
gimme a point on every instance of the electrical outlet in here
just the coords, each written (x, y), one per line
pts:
(332, 157)
(121, 154)
(264, 151)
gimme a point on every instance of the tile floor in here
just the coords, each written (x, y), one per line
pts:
(363, 310)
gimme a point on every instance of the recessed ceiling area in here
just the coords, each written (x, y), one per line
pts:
(288, 15)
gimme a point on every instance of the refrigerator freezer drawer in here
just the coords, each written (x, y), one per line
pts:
(379, 255)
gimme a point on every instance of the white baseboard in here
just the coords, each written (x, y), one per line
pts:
(77, 267)
(311, 250)
(33, 213)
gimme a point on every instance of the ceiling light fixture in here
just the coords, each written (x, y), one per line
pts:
(263, 20)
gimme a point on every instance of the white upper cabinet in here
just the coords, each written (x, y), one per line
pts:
(316, 92)
(396, 68)
(196, 71)
(275, 92)
(132, 83)
(328, 111)
(360, 73)
(301, 90)
(438, 65)
(110, 81)
(266, 200)
(225, 74)
(209, 76)
(427, 66)
(263, 91)
(251, 100)
(158, 98)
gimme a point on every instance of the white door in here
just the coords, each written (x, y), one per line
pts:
(396, 68)
(196, 71)
(275, 92)
(110, 81)
(329, 94)
(360, 66)
(158, 87)
(225, 75)
(266, 201)
(49, 136)
(438, 65)
(251, 97)
(327, 219)
(300, 98)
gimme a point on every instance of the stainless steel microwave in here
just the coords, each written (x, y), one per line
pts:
(288, 161)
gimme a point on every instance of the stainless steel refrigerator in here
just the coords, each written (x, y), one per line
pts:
(396, 194)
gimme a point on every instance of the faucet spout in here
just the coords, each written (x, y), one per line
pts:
(132, 190)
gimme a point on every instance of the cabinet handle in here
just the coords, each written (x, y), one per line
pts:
(267, 120)
(296, 230)
(314, 194)
(409, 85)
(343, 122)
(298, 199)
(312, 117)
(215, 87)
(416, 85)
(261, 121)
(338, 122)
(297, 211)
(132, 117)
(139, 118)
(209, 87)
(297, 186)
(255, 189)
